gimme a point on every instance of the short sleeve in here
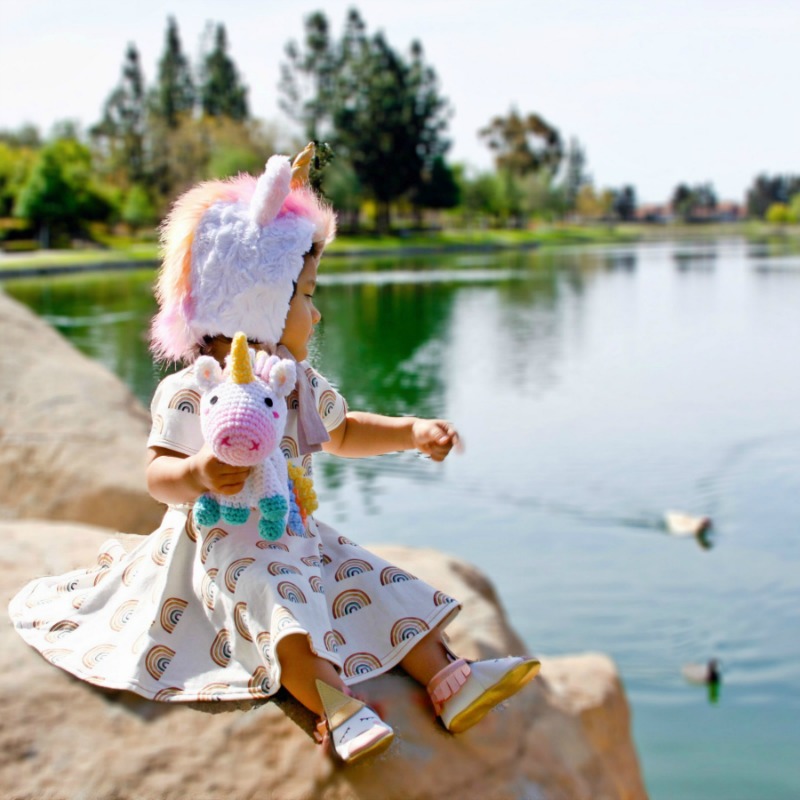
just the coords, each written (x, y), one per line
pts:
(331, 405)
(175, 411)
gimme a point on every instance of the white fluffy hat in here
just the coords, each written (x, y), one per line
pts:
(231, 253)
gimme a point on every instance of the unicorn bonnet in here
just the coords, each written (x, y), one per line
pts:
(232, 250)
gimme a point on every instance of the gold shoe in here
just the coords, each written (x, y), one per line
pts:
(355, 730)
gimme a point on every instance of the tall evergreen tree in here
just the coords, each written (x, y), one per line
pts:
(308, 79)
(625, 203)
(222, 93)
(123, 126)
(575, 174)
(382, 111)
(173, 95)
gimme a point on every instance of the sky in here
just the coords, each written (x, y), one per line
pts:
(657, 93)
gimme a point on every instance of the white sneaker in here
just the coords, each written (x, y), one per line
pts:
(355, 730)
(478, 687)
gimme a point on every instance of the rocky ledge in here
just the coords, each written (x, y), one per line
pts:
(566, 736)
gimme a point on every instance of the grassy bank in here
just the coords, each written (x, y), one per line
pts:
(121, 251)
(118, 252)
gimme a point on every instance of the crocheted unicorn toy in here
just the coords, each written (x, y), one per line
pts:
(243, 415)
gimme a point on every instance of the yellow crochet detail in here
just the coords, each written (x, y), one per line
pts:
(304, 488)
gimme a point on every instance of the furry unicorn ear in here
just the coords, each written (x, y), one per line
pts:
(271, 190)
(282, 377)
(263, 364)
(208, 372)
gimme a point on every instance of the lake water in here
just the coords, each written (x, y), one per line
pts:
(595, 388)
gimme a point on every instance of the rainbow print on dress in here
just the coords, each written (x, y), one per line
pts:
(361, 664)
(395, 575)
(221, 649)
(171, 613)
(407, 628)
(157, 660)
(350, 601)
(351, 568)
(187, 400)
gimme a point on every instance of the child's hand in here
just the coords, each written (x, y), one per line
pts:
(435, 438)
(213, 475)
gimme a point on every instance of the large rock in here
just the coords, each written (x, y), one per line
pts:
(72, 436)
(564, 737)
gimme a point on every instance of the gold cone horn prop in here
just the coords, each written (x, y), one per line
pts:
(301, 166)
(241, 369)
(338, 706)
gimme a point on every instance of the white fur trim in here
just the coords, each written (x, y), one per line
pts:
(242, 273)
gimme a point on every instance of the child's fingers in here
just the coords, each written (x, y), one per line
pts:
(449, 437)
(230, 486)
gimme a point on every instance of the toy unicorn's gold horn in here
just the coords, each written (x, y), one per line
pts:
(241, 369)
(301, 166)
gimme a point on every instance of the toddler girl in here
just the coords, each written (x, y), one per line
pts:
(218, 612)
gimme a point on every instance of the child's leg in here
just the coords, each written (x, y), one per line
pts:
(428, 657)
(300, 670)
(463, 693)
(353, 729)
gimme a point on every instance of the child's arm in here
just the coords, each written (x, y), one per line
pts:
(173, 477)
(363, 434)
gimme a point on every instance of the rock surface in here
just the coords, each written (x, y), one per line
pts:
(71, 434)
(566, 736)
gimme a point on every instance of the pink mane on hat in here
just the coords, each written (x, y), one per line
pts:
(172, 338)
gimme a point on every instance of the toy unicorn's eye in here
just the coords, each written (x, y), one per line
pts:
(268, 401)
(213, 400)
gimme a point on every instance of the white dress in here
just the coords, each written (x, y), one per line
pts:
(195, 613)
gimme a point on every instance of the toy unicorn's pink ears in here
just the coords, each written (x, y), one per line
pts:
(279, 373)
(207, 372)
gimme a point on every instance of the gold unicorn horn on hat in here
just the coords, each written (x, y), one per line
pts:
(302, 165)
(241, 369)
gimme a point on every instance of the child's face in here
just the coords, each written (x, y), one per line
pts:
(303, 315)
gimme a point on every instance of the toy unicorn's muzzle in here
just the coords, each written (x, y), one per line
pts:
(242, 449)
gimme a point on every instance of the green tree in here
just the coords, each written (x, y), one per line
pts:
(138, 209)
(766, 190)
(308, 79)
(575, 174)
(523, 144)
(794, 208)
(687, 201)
(222, 93)
(778, 214)
(15, 166)
(121, 132)
(439, 187)
(484, 194)
(59, 194)
(384, 111)
(345, 192)
(624, 205)
(173, 95)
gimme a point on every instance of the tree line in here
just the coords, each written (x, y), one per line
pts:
(379, 114)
